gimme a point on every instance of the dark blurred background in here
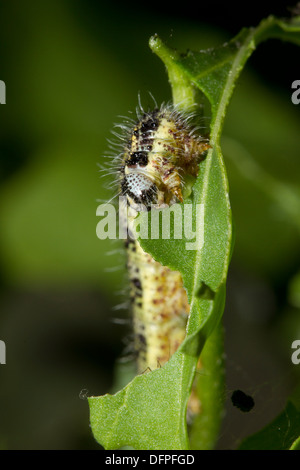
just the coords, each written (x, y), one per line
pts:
(70, 68)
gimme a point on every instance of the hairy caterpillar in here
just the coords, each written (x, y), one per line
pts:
(159, 156)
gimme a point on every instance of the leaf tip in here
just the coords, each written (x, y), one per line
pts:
(155, 43)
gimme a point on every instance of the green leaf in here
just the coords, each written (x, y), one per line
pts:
(296, 444)
(138, 415)
(149, 413)
(282, 433)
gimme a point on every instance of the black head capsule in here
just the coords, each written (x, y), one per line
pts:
(149, 124)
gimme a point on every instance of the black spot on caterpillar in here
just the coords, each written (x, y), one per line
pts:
(242, 401)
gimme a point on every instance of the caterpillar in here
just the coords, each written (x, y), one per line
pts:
(159, 156)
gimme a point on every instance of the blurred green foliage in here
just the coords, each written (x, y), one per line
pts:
(70, 69)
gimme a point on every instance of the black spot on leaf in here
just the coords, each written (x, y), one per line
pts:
(242, 401)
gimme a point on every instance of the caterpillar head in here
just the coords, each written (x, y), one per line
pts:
(161, 156)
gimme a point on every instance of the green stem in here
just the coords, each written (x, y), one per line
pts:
(183, 92)
(211, 392)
